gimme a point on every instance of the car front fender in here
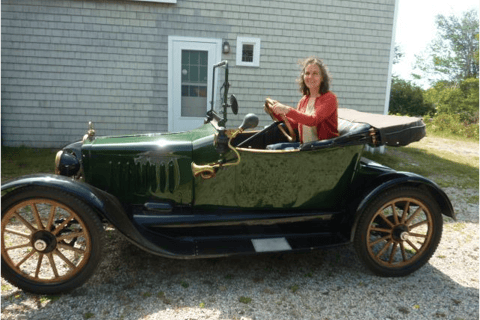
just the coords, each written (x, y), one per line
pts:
(103, 203)
(79, 189)
(401, 179)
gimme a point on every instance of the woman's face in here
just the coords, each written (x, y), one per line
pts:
(312, 77)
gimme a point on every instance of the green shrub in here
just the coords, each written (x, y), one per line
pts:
(408, 99)
(456, 98)
(452, 124)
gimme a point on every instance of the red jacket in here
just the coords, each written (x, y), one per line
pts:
(325, 117)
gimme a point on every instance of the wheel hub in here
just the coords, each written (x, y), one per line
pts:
(44, 241)
(40, 245)
(400, 233)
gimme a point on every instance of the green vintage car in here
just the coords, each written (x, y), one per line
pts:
(214, 192)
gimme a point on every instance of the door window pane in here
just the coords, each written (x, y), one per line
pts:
(194, 57)
(185, 91)
(185, 57)
(194, 83)
(203, 76)
(193, 76)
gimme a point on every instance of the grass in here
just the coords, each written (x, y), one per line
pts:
(451, 136)
(21, 161)
(53, 298)
(444, 167)
(294, 288)
(473, 199)
(471, 159)
(6, 287)
(245, 300)
(161, 296)
(459, 226)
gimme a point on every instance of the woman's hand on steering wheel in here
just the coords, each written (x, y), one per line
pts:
(281, 109)
(273, 106)
(271, 110)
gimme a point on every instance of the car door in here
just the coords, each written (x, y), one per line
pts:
(295, 179)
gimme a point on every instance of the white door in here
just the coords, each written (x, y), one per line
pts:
(190, 72)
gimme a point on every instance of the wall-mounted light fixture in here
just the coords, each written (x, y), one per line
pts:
(226, 47)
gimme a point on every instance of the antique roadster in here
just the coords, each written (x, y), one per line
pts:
(214, 192)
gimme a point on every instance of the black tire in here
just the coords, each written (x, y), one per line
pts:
(398, 232)
(51, 241)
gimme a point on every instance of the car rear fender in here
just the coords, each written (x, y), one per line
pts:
(105, 204)
(401, 179)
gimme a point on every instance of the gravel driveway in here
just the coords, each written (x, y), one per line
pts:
(324, 284)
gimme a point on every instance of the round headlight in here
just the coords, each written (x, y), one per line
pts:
(57, 161)
(66, 164)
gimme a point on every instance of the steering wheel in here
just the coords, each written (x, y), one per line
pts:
(291, 134)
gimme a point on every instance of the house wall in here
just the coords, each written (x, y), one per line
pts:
(67, 62)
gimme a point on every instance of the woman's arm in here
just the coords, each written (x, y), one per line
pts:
(327, 106)
(280, 109)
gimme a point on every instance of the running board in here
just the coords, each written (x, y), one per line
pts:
(254, 245)
(211, 220)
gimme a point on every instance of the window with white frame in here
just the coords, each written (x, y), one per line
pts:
(248, 52)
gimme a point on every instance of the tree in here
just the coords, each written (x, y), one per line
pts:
(407, 99)
(461, 99)
(453, 54)
(398, 54)
(477, 52)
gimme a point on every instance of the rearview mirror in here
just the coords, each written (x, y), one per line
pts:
(234, 104)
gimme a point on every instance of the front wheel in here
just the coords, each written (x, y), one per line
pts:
(399, 232)
(51, 241)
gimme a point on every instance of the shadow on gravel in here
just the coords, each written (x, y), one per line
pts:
(325, 284)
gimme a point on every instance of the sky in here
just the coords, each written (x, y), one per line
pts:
(416, 27)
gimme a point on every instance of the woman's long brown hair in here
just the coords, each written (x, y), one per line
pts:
(324, 85)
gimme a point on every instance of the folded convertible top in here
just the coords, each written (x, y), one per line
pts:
(392, 130)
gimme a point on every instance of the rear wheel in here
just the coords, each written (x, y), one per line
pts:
(51, 241)
(399, 232)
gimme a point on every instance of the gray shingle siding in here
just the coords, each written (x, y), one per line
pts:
(68, 62)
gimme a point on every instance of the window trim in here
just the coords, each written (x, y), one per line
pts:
(256, 51)
(160, 1)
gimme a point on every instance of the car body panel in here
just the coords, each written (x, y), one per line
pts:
(295, 180)
(140, 167)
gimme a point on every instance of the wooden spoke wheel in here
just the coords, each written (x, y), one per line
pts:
(399, 232)
(51, 241)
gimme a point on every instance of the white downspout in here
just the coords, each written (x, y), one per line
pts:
(381, 149)
(392, 56)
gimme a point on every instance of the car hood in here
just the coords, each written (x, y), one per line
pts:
(151, 141)
(138, 168)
